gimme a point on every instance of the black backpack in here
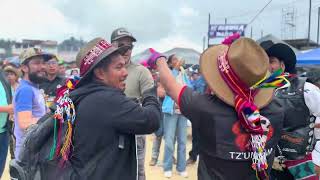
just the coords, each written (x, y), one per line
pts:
(34, 162)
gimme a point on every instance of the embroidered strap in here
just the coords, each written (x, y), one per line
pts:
(248, 114)
(244, 96)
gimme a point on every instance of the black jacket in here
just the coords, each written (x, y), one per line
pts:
(106, 124)
(50, 87)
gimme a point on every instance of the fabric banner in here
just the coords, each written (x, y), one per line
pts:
(224, 30)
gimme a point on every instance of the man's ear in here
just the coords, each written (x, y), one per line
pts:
(24, 68)
(99, 73)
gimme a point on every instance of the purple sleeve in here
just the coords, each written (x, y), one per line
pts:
(23, 100)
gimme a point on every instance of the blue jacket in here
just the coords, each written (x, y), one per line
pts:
(199, 85)
(168, 103)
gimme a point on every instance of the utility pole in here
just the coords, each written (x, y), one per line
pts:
(204, 43)
(309, 25)
(318, 26)
(261, 33)
(225, 20)
(209, 30)
(251, 33)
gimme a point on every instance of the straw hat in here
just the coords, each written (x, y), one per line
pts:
(92, 53)
(28, 53)
(247, 59)
(12, 69)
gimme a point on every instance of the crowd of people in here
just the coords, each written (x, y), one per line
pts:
(28, 89)
(252, 116)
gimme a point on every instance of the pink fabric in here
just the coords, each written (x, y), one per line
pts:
(145, 64)
(229, 40)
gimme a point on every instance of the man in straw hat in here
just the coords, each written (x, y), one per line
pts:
(29, 103)
(239, 124)
(302, 117)
(12, 75)
(107, 121)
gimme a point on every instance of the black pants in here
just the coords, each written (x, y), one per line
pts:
(281, 175)
(193, 154)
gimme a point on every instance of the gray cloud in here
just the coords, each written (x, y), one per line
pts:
(147, 20)
(154, 20)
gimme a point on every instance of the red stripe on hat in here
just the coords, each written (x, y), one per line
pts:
(92, 56)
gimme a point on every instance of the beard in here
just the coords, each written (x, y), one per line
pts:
(36, 79)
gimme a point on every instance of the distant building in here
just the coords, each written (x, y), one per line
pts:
(68, 56)
(46, 45)
(302, 44)
(190, 56)
(275, 39)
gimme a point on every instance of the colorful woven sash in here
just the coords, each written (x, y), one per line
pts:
(248, 114)
(64, 116)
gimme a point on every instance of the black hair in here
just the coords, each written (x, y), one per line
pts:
(169, 62)
(26, 63)
(103, 64)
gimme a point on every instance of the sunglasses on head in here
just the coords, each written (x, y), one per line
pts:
(124, 48)
(128, 46)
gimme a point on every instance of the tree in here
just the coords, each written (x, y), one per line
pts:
(6, 44)
(71, 44)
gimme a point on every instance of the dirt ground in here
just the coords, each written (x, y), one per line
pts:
(152, 172)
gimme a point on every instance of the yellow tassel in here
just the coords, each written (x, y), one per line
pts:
(264, 78)
(67, 142)
(69, 85)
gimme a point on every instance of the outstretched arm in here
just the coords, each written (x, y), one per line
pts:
(167, 80)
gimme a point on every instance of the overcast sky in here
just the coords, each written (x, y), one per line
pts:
(162, 24)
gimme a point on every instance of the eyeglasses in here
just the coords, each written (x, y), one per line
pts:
(52, 62)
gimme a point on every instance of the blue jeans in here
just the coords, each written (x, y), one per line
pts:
(175, 126)
(156, 147)
(157, 141)
(4, 142)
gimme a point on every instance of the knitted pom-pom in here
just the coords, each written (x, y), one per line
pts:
(230, 39)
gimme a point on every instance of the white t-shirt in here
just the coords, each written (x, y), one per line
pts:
(312, 100)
